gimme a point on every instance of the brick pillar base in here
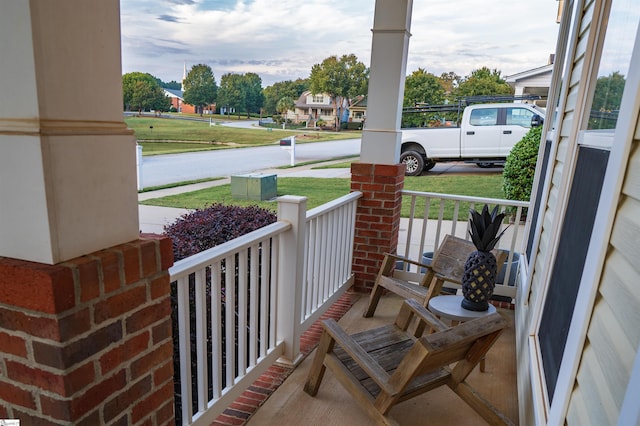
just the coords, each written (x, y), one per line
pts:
(377, 218)
(88, 341)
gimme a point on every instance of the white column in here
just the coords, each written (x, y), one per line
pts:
(390, 44)
(292, 209)
(67, 159)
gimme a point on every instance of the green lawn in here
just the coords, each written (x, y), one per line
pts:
(320, 191)
(167, 135)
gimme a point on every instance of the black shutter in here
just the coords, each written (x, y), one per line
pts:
(569, 262)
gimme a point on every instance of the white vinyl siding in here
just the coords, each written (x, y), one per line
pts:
(614, 332)
(561, 168)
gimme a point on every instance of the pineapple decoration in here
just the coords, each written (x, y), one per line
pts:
(481, 268)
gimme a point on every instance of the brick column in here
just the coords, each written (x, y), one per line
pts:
(377, 218)
(88, 341)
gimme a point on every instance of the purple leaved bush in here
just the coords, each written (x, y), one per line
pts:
(204, 228)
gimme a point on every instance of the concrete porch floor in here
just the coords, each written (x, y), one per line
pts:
(333, 406)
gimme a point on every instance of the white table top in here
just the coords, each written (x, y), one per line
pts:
(449, 307)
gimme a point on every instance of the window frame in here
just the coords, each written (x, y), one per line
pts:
(619, 143)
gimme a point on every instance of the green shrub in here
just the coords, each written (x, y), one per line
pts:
(521, 166)
(351, 125)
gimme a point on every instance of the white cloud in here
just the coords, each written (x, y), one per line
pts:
(282, 40)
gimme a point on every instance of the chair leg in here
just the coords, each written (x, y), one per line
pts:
(316, 373)
(374, 298)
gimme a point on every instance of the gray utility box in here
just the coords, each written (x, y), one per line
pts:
(254, 186)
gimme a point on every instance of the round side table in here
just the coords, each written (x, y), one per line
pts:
(449, 307)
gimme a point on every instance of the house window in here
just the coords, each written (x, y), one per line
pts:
(318, 99)
(614, 65)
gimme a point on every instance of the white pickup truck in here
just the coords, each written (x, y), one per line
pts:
(486, 134)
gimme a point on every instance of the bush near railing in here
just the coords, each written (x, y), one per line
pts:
(193, 233)
(204, 228)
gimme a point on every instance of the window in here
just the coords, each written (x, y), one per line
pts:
(614, 65)
(318, 99)
(519, 117)
(484, 117)
(592, 145)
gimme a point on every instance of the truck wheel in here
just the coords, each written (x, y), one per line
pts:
(413, 162)
(429, 165)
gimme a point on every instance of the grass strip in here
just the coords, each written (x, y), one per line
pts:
(322, 190)
(168, 135)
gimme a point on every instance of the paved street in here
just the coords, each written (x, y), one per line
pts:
(166, 169)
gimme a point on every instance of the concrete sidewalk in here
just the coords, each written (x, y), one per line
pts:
(153, 218)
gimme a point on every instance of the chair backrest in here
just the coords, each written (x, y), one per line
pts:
(448, 261)
(465, 344)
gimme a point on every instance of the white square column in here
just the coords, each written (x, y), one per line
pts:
(67, 160)
(389, 49)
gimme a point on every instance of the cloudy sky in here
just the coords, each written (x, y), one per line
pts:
(281, 40)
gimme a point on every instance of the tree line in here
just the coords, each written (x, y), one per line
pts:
(343, 78)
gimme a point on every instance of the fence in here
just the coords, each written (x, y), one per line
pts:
(433, 215)
(244, 304)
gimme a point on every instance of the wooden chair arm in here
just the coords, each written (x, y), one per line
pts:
(359, 355)
(396, 257)
(403, 317)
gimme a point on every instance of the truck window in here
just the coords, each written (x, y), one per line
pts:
(484, 117)
(519, 117)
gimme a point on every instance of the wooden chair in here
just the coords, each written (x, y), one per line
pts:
(388, 365)
(447, 266)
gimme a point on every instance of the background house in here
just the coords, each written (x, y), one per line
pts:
(177, 101)
(310, 108)
(532, 82)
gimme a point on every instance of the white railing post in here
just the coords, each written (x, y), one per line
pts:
(291, 209)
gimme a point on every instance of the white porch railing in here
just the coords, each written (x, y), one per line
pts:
(244, 304)
(421, 234)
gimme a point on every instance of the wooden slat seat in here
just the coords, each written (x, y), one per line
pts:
(390, 364)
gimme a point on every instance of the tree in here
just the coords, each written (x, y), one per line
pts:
(253, 97)
(606, 101)
(141, 92)
(483, 81)
(242, 92)
(231, 93)
(200, 89)
(449, 81)
(285, 104)
(343, 79)
(288, 88)
(174, 85)
(421, 87)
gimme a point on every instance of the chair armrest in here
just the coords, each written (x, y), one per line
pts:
(425, 315)
(396, 257)
(359, 355)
